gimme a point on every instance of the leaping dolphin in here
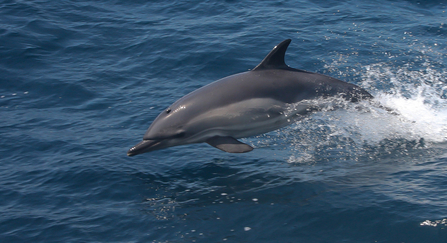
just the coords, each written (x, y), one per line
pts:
(270, 96)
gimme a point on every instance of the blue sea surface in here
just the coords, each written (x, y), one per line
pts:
(81, 81)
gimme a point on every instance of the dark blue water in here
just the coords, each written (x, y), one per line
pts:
(80, 82)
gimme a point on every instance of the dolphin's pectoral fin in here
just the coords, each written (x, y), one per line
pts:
(229, 144)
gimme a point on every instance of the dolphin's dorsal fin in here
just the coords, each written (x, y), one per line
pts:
(275, 59)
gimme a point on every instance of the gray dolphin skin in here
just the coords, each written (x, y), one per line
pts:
(269, 97)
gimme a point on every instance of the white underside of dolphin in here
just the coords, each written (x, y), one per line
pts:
(270, 96)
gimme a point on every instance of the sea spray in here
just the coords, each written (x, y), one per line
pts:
(415, 115)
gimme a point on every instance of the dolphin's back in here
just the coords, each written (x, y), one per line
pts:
(288, 86)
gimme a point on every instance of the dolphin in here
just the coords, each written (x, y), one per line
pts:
(269, 97)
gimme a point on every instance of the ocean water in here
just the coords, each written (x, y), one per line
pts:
(81, 81)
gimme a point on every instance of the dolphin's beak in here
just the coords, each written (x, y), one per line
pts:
(143, 147)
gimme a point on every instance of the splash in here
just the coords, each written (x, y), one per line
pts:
(418, 96)
(434, 223)
(410, 111)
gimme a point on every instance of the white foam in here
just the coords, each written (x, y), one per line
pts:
(417, 96)
(442, 222)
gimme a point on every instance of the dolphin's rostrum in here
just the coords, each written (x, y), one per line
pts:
(270, 96)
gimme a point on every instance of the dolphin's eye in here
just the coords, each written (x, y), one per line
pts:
(168, 111)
